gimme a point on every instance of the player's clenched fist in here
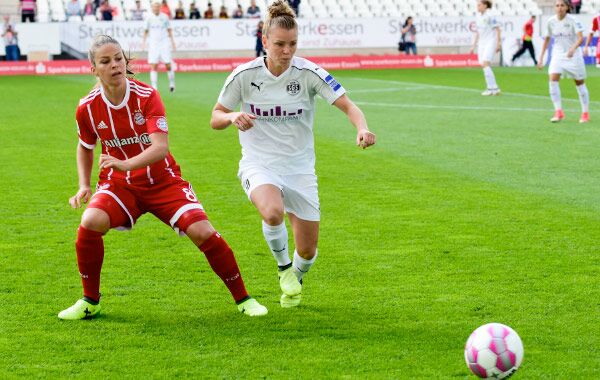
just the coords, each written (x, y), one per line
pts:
(83, 196)
(242, 120)
(365, 139)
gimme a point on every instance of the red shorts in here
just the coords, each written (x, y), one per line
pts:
(168, 199)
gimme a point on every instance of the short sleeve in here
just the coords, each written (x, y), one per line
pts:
(326, 85)
(156, 120)
(494, 22)
(578, 26)
(231, 94)
(87, 135)
(548, 30)
(595, 25)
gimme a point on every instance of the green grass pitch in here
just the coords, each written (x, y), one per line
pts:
(468, 210)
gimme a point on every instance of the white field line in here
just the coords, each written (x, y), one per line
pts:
(467, 108)
(453, 88)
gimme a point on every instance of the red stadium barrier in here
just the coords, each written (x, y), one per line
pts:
(228, 64)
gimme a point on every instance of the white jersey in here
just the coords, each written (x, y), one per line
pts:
(282, 137)
(564, 32)
(486, 27)
(157, 27)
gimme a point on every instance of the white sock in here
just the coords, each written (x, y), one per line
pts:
(555, 95)
(584, 97)
(490, 79)
(153, 78)
(171, 75)
(277, 239)
(301, 265)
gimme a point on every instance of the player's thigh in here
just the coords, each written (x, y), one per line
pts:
(264, 190)
(117, 202)
(165, 55)
(555, 69)
(306, 235)
(153, 55)
(175, 203)
(576, 69)
(301, 196)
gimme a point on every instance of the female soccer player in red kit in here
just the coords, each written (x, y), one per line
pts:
(138, 175)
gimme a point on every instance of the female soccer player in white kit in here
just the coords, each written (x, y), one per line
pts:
(488, 42)
(567, 58)
(159, 33)
(275, 123)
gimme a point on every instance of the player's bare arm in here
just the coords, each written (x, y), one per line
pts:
(499, 42)
(156, 152)
(540, 64)
(170, 32)
(475, 42)
(85, 160)
(144, 39)
(576, 45)
(364, 137)
(223, 117)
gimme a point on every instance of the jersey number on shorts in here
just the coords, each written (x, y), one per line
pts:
(189, 194)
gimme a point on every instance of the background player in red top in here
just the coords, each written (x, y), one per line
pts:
(138, 175)
(527, 41)
(595, 29)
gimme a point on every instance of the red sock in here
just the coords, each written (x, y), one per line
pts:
(90, 254)
(221, 260)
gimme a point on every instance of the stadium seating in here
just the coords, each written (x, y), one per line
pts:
(54, 10)
(415, 8)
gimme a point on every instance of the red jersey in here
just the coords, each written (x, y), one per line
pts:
(124, 130)
(595, 24)
(528, 30)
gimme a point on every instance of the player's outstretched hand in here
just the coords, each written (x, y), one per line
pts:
(540, 65)
(365, 139)
(110, 162)
(83, 196)
(242, 120)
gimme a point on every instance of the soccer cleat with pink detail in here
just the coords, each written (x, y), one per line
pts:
(585, 117)
(558, 116)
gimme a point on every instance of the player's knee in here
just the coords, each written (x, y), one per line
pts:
(199, 232)
(307, 252)
(96, 220)
(273, 215)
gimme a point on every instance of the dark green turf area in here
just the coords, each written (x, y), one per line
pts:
(468, 210)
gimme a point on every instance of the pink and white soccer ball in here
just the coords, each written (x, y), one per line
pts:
(494, 351)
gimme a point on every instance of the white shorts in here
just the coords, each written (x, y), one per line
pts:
(570, 67)
(158, 54)
(300, 191)
(486, 51)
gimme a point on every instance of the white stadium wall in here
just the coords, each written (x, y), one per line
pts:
(220, 35)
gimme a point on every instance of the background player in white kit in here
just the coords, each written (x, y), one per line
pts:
(488, 42)
(567, 58)
(159, 33)
(277, 170)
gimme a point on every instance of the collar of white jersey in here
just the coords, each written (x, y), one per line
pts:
(125, 98)
(270, 74)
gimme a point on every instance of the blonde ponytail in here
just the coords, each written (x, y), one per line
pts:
(281, 15)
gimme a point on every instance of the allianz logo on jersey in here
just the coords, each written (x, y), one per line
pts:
(144, 138)
(275, 113)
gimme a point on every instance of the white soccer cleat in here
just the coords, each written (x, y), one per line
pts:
(252, 308)
(290, 301)
(289, 282)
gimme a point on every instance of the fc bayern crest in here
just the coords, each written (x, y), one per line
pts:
(161, 123)
(293, 87)
(139, 118)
